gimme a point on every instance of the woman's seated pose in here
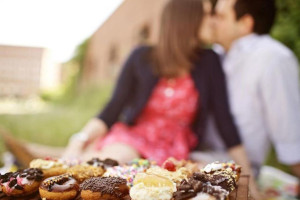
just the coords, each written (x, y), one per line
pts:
(163, 96)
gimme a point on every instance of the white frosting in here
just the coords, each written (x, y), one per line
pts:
(24, 181)
(142, 192)
(46, 164)
(213, 167)
(203, 196)
(176, 176)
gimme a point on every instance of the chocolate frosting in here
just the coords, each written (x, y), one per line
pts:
(221, 178)
(31, 174)
(60, 183)
(106, 185)
(103, 163)
(188, 189)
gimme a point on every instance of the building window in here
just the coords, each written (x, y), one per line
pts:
(144, 34)
(113, 54)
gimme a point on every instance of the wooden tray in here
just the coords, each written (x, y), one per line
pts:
(242, 193)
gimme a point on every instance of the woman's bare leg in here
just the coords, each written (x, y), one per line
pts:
(42, 151)
(118, 151)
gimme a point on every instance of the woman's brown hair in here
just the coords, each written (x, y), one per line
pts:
(178, 39)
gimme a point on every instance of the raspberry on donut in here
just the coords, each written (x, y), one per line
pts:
(21, 183)
(61, 187)
(110, 188)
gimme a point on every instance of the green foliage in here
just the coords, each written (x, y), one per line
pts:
(287, 26)
(73, 70)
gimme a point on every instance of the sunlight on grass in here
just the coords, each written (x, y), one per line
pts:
(55, 125)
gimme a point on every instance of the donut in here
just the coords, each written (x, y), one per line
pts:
(223, 178)
(104, 188)
(194, 189)
(172, 164)
(96, 162)
(61, 187)
(176, 176)
(21, 183)
(49, 167)
(129, 171)
(236, 169)
(230, 167)
(150, 186)
(82, 172)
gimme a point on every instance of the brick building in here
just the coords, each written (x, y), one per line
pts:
(24, 71)
(134, 22)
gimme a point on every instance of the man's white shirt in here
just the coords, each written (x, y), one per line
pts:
(263, 88)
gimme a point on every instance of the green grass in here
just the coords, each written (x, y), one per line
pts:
(56, 125)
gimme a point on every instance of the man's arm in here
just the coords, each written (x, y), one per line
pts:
(238, 154)
(296, 169)
(280, 93)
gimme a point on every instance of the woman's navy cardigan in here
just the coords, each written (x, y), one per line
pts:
(137, 80)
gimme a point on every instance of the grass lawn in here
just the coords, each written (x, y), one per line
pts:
(55, 126)
(59, 122)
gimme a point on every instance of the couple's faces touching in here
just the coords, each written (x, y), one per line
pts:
(223, 27)
(206, 30)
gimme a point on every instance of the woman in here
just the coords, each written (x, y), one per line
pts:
(163, 96)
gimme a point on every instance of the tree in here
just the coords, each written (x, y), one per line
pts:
(287, 26)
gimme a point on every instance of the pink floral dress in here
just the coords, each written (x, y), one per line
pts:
(164, 127)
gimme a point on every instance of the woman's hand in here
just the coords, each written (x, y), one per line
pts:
(76, 146)
(95, 128)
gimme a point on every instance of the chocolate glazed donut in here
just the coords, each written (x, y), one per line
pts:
(104, 188)
(61, 187)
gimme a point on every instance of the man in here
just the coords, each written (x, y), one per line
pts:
(262, 80)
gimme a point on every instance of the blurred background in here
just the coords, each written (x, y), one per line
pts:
(59, 59)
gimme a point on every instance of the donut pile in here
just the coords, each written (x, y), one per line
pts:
(106, 179)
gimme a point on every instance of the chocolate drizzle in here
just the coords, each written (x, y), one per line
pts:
(222, 178)
(114, 186)
(60, 183)
(189, 189)
(31, 174)
(103, 163)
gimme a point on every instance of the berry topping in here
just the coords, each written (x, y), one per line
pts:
(169, 165)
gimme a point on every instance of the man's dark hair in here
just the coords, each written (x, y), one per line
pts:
(262, 11)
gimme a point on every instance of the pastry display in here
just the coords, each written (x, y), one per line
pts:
(110, 188)
(61, 187)
(49, 167)
(139, 179)
(21, 183)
